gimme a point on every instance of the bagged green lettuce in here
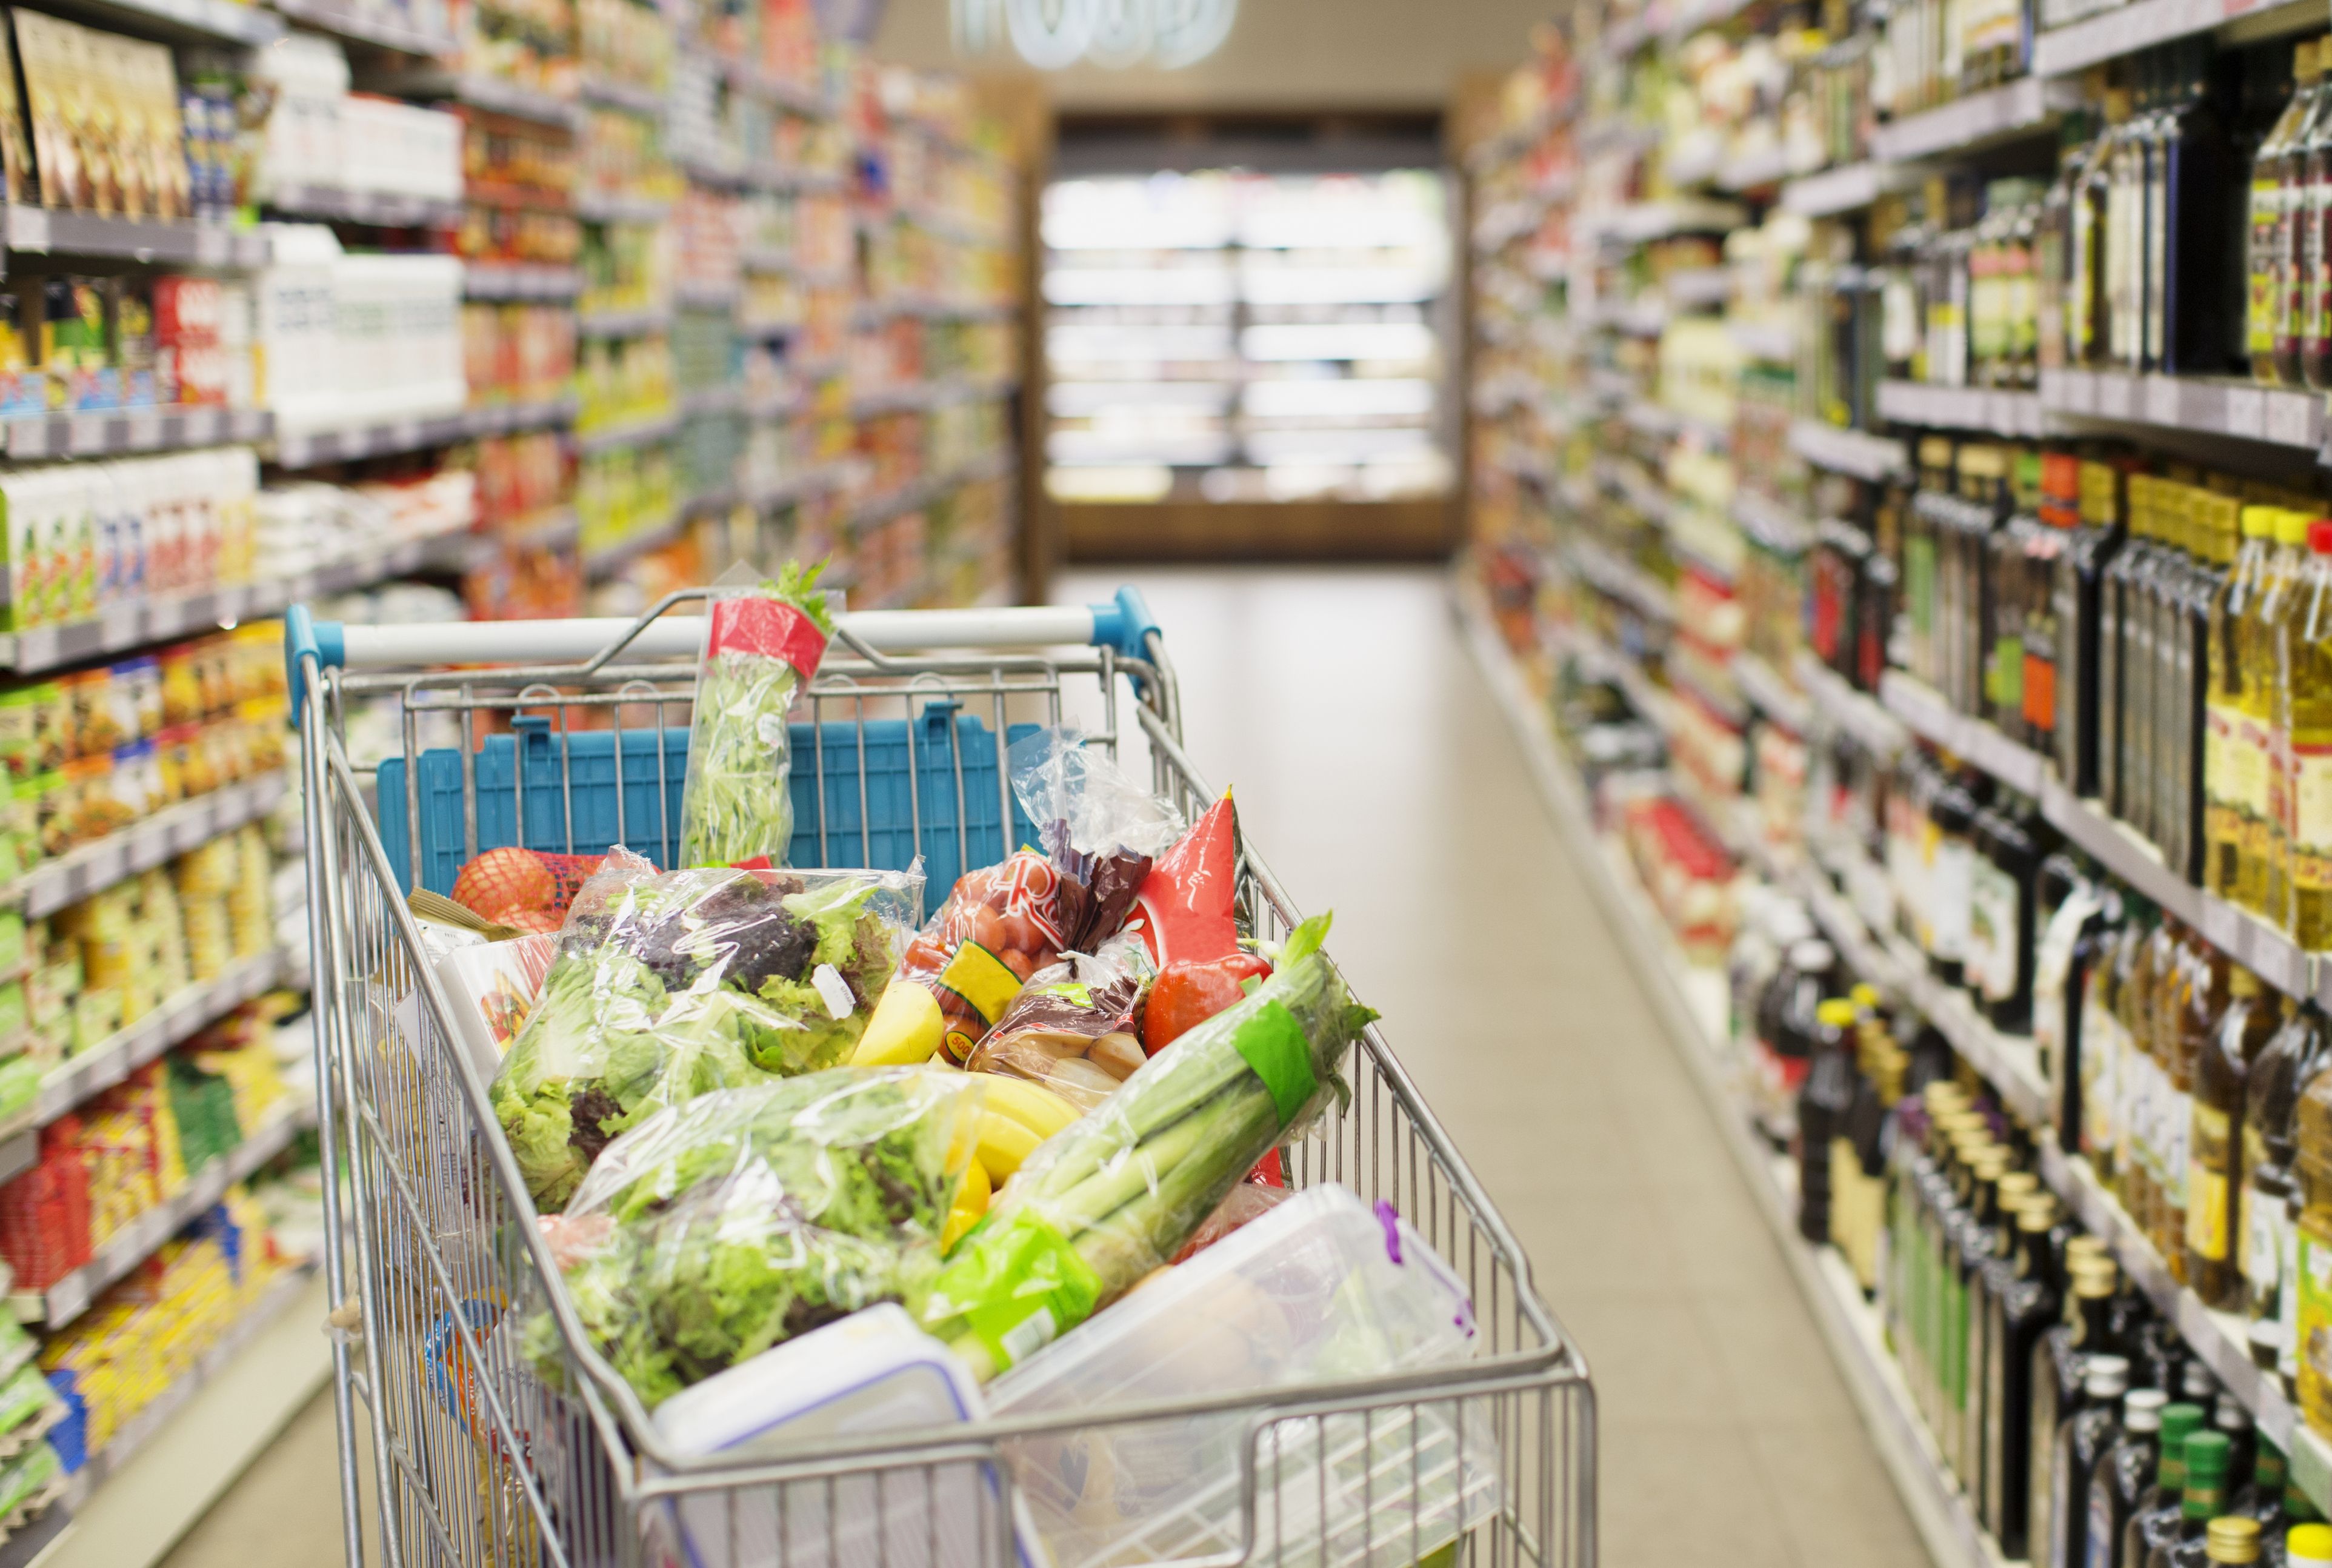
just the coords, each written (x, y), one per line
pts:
(715, 1230)
(1119, 1191)
(669, 986)
(762, 644)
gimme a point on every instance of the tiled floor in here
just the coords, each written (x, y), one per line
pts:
(1375, 771)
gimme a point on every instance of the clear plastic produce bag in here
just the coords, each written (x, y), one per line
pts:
(1320, 1289)
(1117, 1192)
(762, 644)
(669, 986)
(1072, 1027)
(717, 1228)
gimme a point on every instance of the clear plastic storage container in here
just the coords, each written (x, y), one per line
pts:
(1322, 1288)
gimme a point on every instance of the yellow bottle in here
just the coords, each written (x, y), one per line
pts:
(2235, 723)
(2312, 1279)
(2305, 692)
(2277, 606)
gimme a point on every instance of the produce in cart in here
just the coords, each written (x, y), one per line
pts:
(666, 986)
(1120, 1190)
(1002, 925)
(761, 645)
(1072, 1027)
(715, 1230)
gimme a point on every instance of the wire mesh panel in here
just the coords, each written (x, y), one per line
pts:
(491, 1434)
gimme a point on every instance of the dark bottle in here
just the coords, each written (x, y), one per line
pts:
(2157, 1521)
(2028, 1303)
(2214, 1163)
(2058, 1358)
(2263, 1497)
(2271, 1104)
(2082, 1438)
(2117, 1486)
(2123, 648)
(2232, 1422)
(1825, 1100)
(2204, 1500)
(2087, 688)
(2203, 198)
(2006, 894)
(1787, 1026)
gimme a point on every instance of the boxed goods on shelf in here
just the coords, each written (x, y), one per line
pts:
(83, 537)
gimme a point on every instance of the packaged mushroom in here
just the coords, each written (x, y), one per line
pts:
(1074, 1026)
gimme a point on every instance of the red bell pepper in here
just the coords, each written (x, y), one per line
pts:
(1189, 991)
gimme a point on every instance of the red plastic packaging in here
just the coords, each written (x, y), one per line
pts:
(1184, 908)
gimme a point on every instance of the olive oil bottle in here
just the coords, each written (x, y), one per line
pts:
(2279, 601)
(2312, 1263)
(2214, 1169)
(2274, 228)
(2304, 669)
(2234, 765)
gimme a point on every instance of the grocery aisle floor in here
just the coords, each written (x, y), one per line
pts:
(1375, 772)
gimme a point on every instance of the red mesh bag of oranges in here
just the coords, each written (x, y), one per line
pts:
(526, 889)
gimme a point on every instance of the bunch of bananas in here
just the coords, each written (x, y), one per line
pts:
(1015, 1116)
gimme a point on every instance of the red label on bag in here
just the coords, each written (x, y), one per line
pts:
(771, 628)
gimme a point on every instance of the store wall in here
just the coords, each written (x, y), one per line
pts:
(1281, 54)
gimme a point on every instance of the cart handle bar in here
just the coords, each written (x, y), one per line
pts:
(1123, 623)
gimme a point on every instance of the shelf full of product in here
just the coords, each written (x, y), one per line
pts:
(312, 330)
(1943, 665)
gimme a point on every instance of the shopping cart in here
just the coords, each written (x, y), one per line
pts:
(573, 735)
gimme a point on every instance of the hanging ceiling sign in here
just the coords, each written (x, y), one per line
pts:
(1054, 35)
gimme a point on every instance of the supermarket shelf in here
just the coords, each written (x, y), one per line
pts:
(601, 207)
(1858, 713)
(364, 24)
(623, 323)
(37, 229)
(552, 528)
(132, 1244)
(631, 433)
(1773, 523)
(311, 449)
(1623, 580)
(1702, 286)
(2009, 1066)
(510, 418)
(1849, 452)
(832, 476)
(168, 1463)
(925, 395)
(204, 21)
(366, 206)
(2237, 932)
(1771, 695)
(798, 97)
(1980, 120)
(1756, 172)
(705, 296)
(151, 842)
(1841, 190)
(30, 1541)
(520, 280)
(1770, 340)
(623, 95)
(607, 560)
(1962, 407)
(133, 430)
(1642, 221)
(1691, 1014)
(179, 1018)
(2127, 29)
(934, 307)
(136, 622)
(2205, 407)
(726, 398)
(917, 494)
(491, 94)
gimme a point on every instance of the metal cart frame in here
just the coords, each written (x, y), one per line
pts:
(454, 1451)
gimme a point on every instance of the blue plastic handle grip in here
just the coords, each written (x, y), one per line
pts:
(303, 634)
(1125, 623)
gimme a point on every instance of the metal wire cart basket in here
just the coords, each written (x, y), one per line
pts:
(568, 736)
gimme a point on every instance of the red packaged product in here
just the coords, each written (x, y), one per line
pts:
(1184, 908)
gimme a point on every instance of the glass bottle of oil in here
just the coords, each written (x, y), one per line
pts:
(2140, 566)
(2135, 1164)
(2305, 669)
(2272, 227)
(2200, 1003)
(2271, 1103)
(2214, 1168)
(2244, 641)
(2279, 600)
(2311, 208)
(2312, 1273)
(2234, 778)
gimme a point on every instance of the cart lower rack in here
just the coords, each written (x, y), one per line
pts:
(569, 737)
